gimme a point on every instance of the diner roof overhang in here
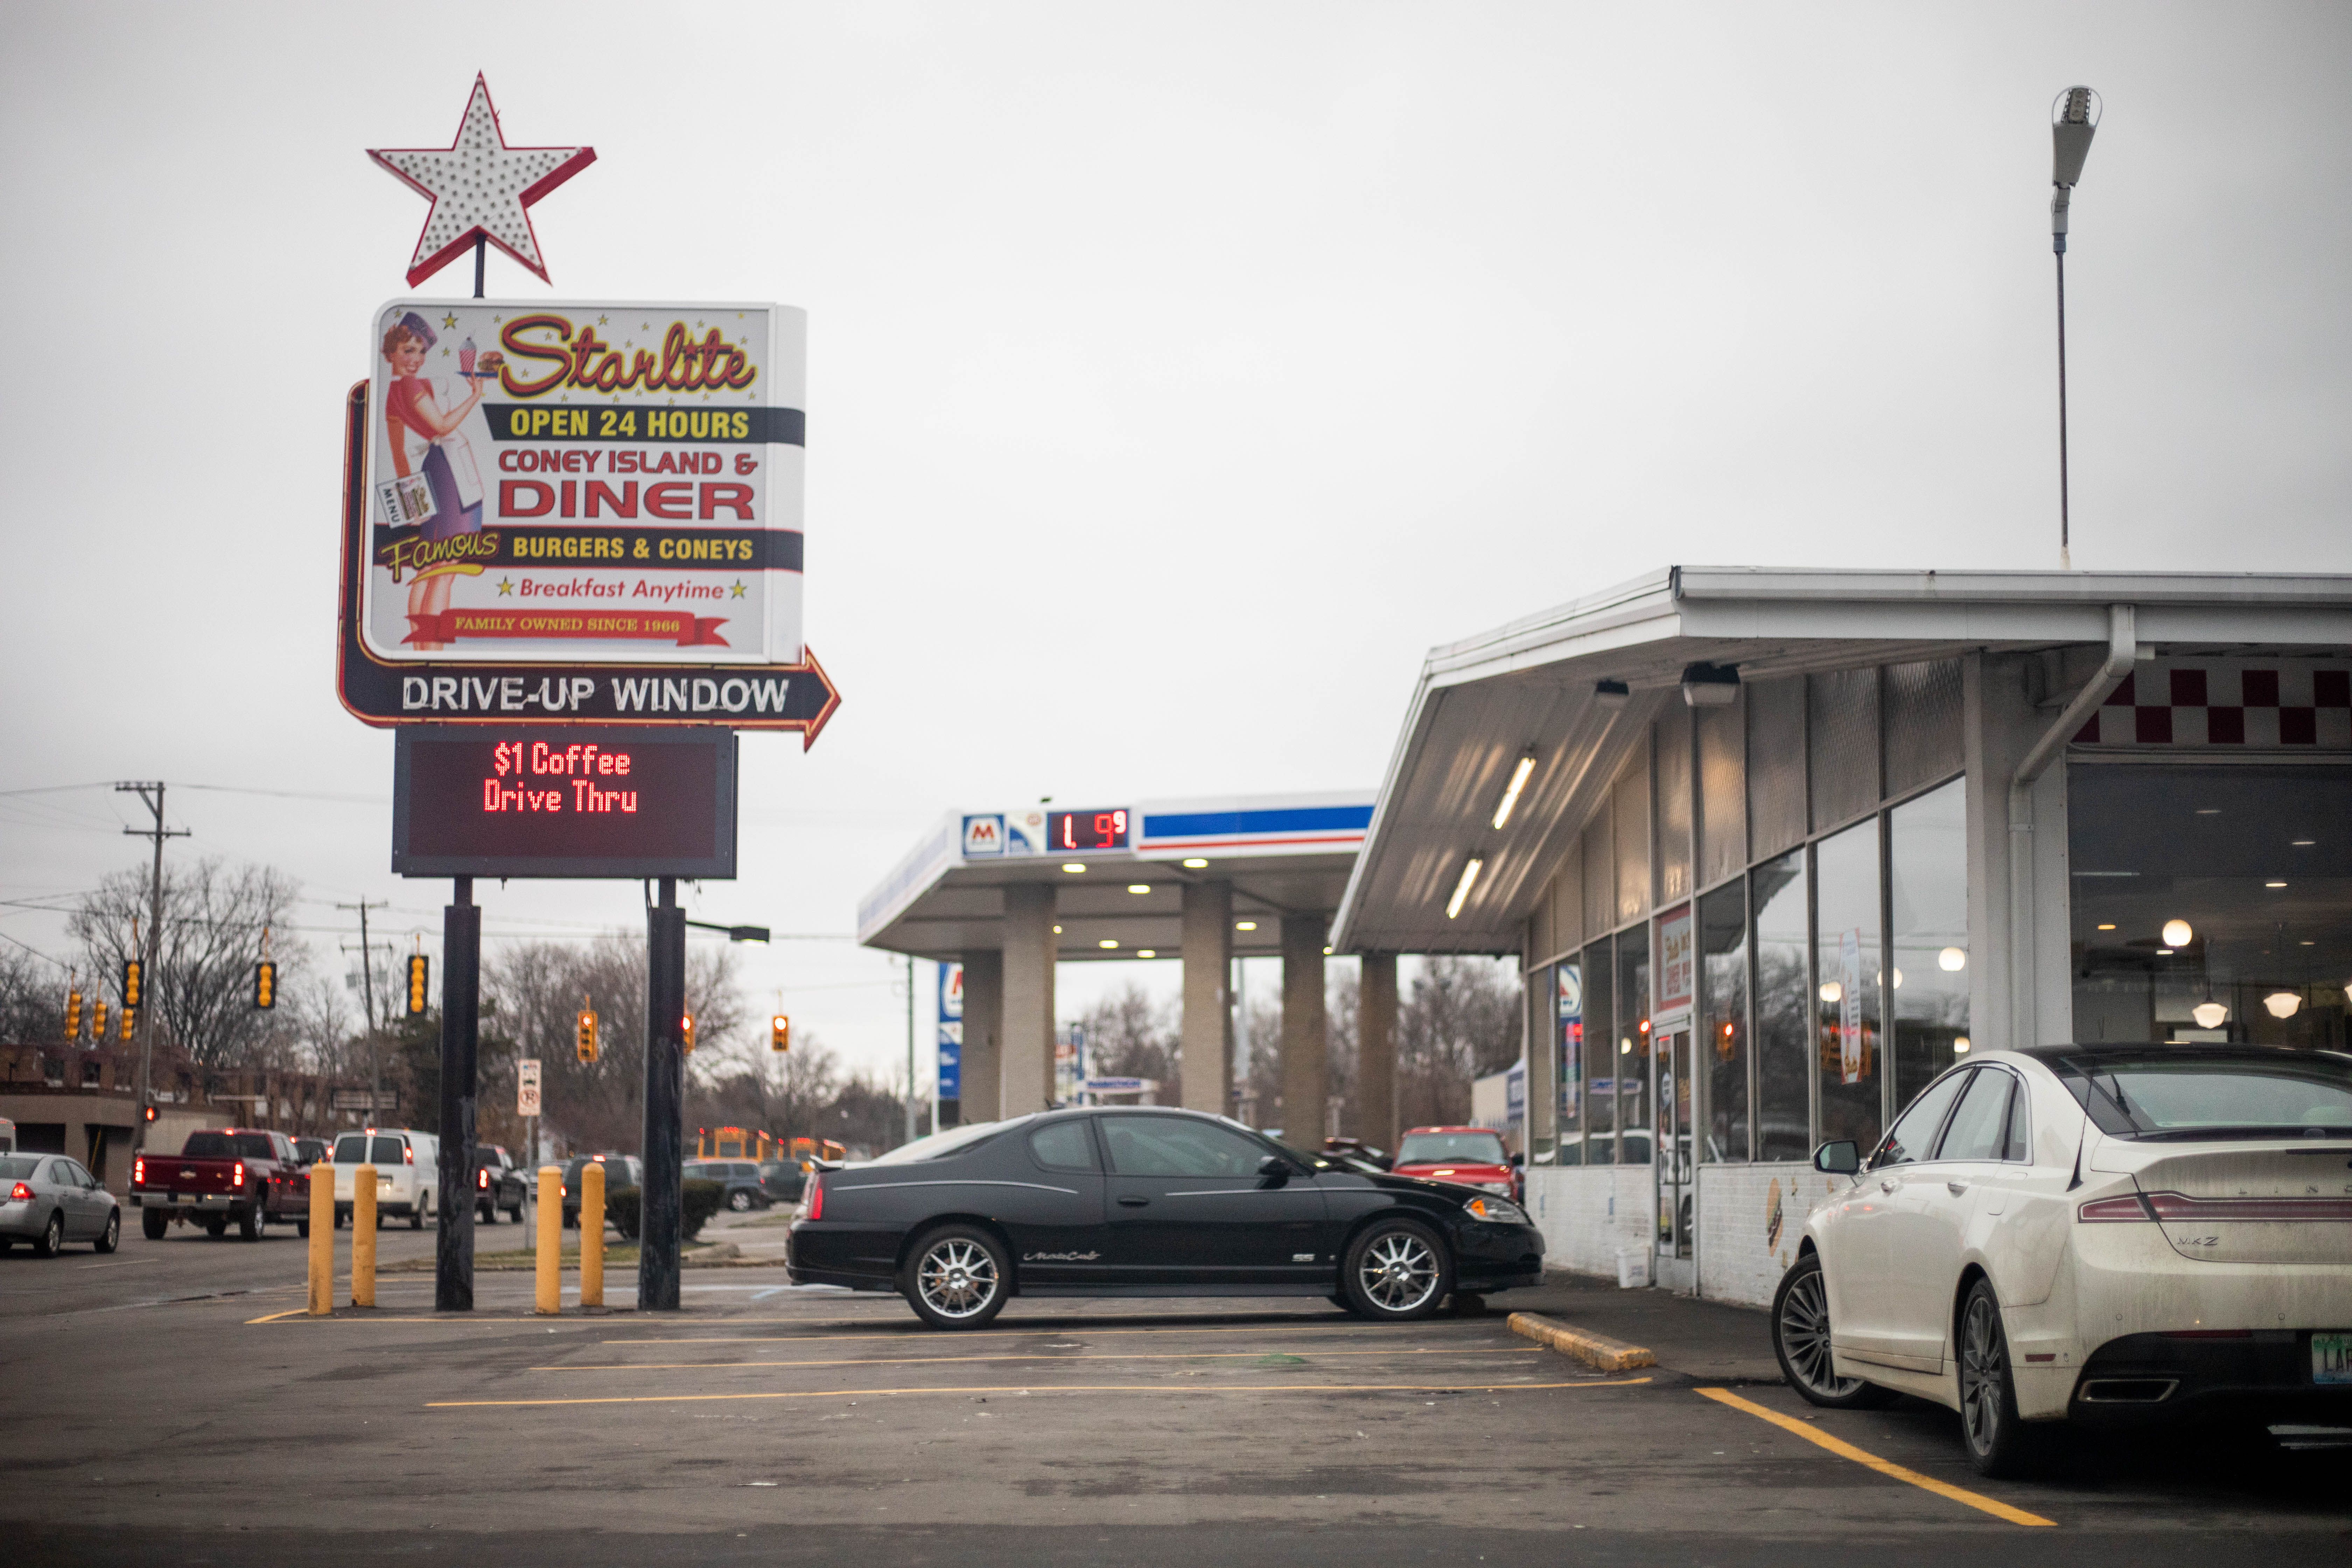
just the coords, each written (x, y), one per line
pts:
(1528, 688)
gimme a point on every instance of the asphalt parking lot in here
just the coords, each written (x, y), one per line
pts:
(173, 1403)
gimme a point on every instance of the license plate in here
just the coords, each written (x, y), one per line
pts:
(2331, 1358)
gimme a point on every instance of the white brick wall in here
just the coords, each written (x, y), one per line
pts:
(1751, 1219)
(1588, 1212)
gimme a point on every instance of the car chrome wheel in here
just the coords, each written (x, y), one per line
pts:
(1803, 1327)
(1398, 1271)
(739, 1201)
(113, 1235)
(957, 1277)
(53, 1238)
(1983, 1372)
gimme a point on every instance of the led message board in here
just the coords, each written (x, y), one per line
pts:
(578, 802)
(1086, 829)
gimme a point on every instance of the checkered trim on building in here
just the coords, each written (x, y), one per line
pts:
(2283, 704)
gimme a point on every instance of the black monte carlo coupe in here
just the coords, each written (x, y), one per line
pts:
(1146, 1201)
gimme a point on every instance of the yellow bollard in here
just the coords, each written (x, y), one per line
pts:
(591, 1235)
(550, 1240)
(322, 1239)
(363, 1183)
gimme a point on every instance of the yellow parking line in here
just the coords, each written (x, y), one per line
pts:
(1074, 1388)
(1871, 1461)
(275, 1316)
(924, 1360)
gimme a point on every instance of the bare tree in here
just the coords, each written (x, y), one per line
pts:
(33, 998)
(1460, 1020)
(1128, 1035)
(532, 996)
(202, 982)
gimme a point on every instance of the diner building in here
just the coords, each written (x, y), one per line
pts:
(1775, 846)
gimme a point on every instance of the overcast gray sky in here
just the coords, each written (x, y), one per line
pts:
(1178, 374)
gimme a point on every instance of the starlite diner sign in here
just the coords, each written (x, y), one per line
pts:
(583, 484)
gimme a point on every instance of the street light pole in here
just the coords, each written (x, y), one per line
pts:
(151, 950)
(2073, 120)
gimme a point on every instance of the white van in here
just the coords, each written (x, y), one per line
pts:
(407, 1171)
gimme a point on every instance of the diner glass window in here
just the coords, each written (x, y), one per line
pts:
(1599, 1041)
(1842, 738)
(1723, 1040)
(2212, 903)
(1674, 850)
(1847, 958)
(1722, 791)
(1567, 991)
(1784, 1009)
(1776, 765)
(1927, 861)
(1599, 873)
(1631, 809)
(1923, 723)
(1633, 1045)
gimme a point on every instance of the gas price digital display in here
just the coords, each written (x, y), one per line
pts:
(1086, 829)
(563, 802)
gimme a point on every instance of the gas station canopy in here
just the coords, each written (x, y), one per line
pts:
(1120, 871)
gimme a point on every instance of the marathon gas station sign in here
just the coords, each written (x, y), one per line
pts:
(583, 511)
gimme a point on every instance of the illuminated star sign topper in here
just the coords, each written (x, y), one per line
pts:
(480, 187)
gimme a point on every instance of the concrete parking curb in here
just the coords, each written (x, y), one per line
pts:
(1596, 1350)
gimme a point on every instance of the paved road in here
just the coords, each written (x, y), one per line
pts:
(177, 1423)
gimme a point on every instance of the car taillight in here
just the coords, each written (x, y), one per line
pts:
(407, 1154)
(2134, 1207)
(816, 1197)
(19, 1193)
(482, 1178)
(236, 1177)
(138, 1172)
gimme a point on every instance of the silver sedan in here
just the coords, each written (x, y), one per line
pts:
(49, 1200)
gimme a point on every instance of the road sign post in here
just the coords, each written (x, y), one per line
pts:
(461, 952)
(661, 1219)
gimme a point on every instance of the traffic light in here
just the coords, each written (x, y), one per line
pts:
(151, 1113)
(97, 1022)
(132, 973)
(420, 983)
(265, 985)
(685, 1031)
(780, 1033)
(130, 1022)
(73, 1016)
(587, 1035)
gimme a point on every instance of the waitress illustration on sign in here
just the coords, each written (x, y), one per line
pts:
(426, 440)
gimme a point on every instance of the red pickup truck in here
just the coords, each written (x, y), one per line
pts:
(221, 1175)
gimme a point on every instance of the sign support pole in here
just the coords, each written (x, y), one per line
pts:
(461, 954)
(662, 1220)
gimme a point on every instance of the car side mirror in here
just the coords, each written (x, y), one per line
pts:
(1274, 1168)
(1839, 1157)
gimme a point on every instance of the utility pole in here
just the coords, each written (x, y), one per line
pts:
(149, 950)
(367, 997)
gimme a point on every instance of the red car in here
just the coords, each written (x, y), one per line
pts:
(1473, 1156)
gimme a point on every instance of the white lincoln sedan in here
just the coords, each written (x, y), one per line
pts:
(2102, 1235)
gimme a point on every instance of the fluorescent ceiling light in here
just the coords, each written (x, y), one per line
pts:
(1470, 870)
(1245, 925)
(1194, 863)
(1147, 952)
(1073, 868)
(1511, 791)
(1139, 886)
(1106, 942)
